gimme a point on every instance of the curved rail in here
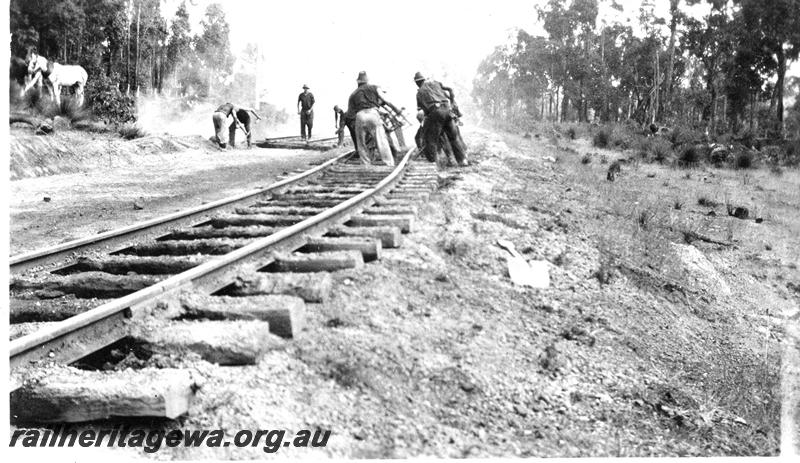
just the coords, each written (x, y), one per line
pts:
(209, 276)
(22, 262)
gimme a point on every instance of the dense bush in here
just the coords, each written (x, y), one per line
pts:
(572, 132)
(107, 102)
(743, 159)
(792, 153)
(717, 155)
(746, 138)
(689, 155)
(621, 137)
(772, 155)
(601, 138)
(679, 135)
(660, 150)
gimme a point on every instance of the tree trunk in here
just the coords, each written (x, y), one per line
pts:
(713, 108)
(541, 105)
(606, 83)
(656, 90)
(136, 63)
(724, 109)
(558, 89)
(779, 92)
(128, 56)
(673, 26)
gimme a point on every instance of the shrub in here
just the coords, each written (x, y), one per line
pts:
(68, 109)
(705, 202)
(600, 138)
(792, 152)
(675, 136)
(131, 131)
(108, 102)
(35, 100)
(15, 94)
(689, 155)
(644, 218)
(746, 138)
(744, 160)
(660, 150)
(572, 132)
(772, 155)
(718, 155)
(683, 135)
(725, 138)
(621, 137)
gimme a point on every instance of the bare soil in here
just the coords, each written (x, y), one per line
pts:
(97, 194)
(645, 345)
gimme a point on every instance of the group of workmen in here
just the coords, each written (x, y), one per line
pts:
(365, 119)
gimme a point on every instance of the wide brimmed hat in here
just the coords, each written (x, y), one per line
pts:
(418, 76)
(305, 87)
(362, 77)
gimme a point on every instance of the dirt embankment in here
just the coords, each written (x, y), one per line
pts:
(69, 151)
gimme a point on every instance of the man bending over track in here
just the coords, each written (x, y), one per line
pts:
(232, 117)
(362, 118)
(436, 102)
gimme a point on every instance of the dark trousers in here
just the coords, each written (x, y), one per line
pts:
(244, 118)
(444, 143)
(306, 120)
(437, 122)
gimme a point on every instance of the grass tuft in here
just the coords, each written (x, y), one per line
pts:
(131, 132)
(744, 160)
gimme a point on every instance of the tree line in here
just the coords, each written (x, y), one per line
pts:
(127, 47)
(724, 71)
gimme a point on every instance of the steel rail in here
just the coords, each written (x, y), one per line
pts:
(39, 257)
(44, 344)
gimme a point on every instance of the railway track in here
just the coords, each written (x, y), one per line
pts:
(224, 281)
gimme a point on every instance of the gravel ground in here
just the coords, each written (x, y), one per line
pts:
(642, 346)
(102, 196)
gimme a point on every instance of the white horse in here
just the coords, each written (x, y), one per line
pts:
(59, 75)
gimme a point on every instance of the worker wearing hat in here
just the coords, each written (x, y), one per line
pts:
(305, 108)
(362, 118)
(436, 102)
(229, 117)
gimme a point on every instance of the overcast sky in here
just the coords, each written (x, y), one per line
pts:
(326, 43)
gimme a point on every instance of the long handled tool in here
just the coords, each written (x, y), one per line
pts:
(521, 273)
